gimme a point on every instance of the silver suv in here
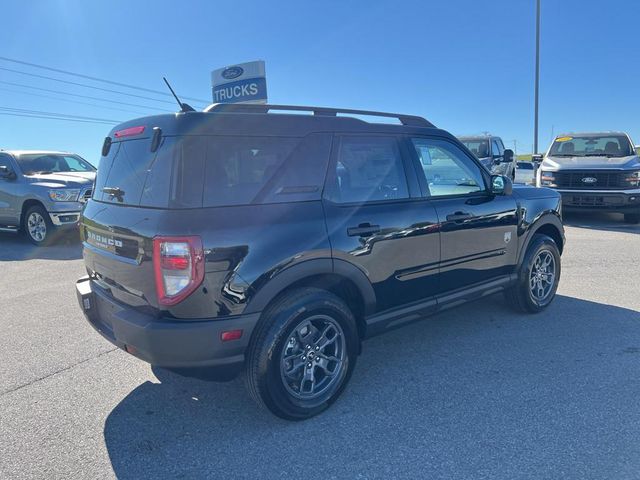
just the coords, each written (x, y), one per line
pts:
(594, 171)
(42, 191)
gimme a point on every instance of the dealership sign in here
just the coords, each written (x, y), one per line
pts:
(241, 83)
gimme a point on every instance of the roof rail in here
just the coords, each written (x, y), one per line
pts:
(409, 120)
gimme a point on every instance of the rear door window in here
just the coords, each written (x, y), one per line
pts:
(253, 170)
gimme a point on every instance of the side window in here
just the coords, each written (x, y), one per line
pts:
(447, 169)
(251, 170)
(367, 169)
(495, 148)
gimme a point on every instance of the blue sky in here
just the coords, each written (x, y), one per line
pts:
(465, 65)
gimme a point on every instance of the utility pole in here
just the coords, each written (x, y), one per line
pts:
(515, 148)
(535, 122)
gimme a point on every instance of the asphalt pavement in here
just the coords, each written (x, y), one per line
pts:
(476, 392)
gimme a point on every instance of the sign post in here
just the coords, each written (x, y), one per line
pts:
(241, 83)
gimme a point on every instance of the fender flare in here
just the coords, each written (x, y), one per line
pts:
(310, 268)
(546, 218)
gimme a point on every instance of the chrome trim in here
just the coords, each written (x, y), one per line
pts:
(635, 191)
(57, 222)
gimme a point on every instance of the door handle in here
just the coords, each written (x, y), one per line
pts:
(363, 230)
(459, 216)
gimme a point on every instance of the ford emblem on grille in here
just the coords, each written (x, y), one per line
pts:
(589, 180)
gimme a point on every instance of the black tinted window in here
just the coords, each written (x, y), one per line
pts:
(368, 169)
(246, 170)
(142, 177)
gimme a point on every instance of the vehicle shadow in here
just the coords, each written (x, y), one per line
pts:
(474, 392)
(15, 247)
(610, 222)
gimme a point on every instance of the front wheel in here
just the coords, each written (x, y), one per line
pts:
(37, 226)
(538, 276)
(302, 354)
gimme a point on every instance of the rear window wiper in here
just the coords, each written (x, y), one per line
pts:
(113, 192)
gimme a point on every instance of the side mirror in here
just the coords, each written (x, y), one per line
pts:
(6, 172)
(508, 155)
(537, 158)
(501, 185)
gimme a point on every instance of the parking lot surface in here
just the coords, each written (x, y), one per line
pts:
(475, 392)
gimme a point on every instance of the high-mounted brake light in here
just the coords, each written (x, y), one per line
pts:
(178, 264)
(129, 132)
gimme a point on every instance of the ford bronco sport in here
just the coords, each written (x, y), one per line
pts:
(246, 237)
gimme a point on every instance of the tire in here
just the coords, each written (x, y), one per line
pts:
(277, 372)
(37, 226)
(633, 218)
(534, 290)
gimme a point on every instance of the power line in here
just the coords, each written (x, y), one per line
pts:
(97, 79)
(83, 96)
(71, 101)
(84, 85)
(38, 112)
(53, 118)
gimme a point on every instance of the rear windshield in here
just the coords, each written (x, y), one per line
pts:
(213, 171)
(605, 145)
(480, 148)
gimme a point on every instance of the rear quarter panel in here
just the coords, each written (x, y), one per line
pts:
(245, 247)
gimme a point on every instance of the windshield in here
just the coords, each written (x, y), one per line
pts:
(480, 148)
(606, 145)
(52, 163)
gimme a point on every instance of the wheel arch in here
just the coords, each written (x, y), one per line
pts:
(548, 224)
(339, 277)
(26, 205)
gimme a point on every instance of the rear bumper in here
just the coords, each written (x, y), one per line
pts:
(612, 201)
(166, 342)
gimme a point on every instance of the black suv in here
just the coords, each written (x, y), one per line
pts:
(255, 237)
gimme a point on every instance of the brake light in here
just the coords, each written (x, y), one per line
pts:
(129, 132)
(179, 267)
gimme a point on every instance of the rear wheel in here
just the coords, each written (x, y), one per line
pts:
(632, 218)
(302, 354)
(538, 276)
(37, 226)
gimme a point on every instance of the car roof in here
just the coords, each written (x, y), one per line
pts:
(277, 120)
(17, 153)
(476, 137)
(591, 134)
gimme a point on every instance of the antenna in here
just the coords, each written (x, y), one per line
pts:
(184, 107)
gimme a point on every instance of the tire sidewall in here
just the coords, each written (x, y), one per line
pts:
(283, 322)
(49, 225)
(539, 244)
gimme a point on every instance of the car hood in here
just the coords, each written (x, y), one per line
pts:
(64, 179)
(579, 163)
(531, 192)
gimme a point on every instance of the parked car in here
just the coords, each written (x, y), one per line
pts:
(594, 171)
(490, 150)
(525, 173)
(240, 239)
(42, 192)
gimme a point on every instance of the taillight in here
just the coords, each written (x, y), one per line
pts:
(179, 267)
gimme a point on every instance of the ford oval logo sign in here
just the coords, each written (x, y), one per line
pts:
(232, 72)
(589, 180)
